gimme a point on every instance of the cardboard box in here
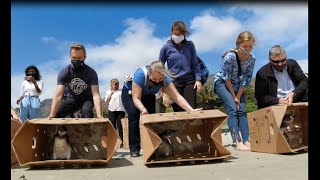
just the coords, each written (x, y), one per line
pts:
(15, 125)
(279, 128)
(189, 136)
(94, 142)
(125, 130)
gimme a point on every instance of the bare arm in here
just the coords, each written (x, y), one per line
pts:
(56, 101)
(240, 92)
(230, 89)
(96, 99)
(177, 98)
(136, 97)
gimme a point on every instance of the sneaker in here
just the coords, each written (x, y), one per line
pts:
(134, 154)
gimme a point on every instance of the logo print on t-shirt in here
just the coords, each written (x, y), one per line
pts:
(77, 85)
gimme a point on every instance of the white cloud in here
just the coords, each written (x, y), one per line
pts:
(48, 39)
(211, 32)
(280, 24)
(304, 65)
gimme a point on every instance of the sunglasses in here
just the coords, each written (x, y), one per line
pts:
(278, 61)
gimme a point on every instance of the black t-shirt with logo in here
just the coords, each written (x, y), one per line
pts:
(78, 84)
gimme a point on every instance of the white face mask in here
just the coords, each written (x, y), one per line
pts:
(243, 51)
(177, 39)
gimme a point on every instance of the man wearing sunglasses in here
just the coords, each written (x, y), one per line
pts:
(281, 81)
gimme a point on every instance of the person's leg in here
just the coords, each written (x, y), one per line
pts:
(133, 121)
(119, 116)
(231, 108)
(112, 118)
(86, 110)
(35, 109)
(24, 109)
(190, 94)
(67, 107)
(243, 120)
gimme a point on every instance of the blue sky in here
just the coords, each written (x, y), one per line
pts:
(120, 38)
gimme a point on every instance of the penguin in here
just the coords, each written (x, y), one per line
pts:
(165, 148)
(61, 145)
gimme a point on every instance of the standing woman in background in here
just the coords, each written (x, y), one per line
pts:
(31, 89)
(230, 81)
(182, 61)
(116, 110)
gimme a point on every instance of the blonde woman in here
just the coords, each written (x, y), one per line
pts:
(138, 98)
(230, 81)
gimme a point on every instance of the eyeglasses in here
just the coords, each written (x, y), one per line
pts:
(278, 61)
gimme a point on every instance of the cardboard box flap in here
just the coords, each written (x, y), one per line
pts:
(278, 113)
(22, 140)
(282, 145)
(221, 150)
(112, 141)
(174, 116)
(152, 139)
(15, 125)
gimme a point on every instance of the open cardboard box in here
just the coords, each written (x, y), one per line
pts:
(279, 128)
(196, 136)
(15, 125)
(94, 142)
(125, 130)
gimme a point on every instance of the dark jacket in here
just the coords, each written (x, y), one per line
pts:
(266, 84)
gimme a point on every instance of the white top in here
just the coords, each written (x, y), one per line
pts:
(115, 103)
(285, 84)
(28, 88)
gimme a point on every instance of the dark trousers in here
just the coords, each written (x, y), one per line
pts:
(186, 90)
(115, 118)
(134, 116)
(70, 106)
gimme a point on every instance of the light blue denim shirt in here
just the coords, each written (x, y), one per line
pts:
(229, 70)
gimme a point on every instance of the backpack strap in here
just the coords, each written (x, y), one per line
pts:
(238, 62)
(145, 71)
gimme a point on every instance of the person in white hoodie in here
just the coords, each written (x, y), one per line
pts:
(116, 110)
(31, 89)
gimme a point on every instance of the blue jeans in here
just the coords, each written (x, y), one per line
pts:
(30, 108)
(237, 118)
(134, 116)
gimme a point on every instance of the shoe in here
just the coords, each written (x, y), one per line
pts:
(121, 146)
(134, 154)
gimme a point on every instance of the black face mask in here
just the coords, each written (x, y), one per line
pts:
(77, 64)
(156, 83)
(30, 74)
